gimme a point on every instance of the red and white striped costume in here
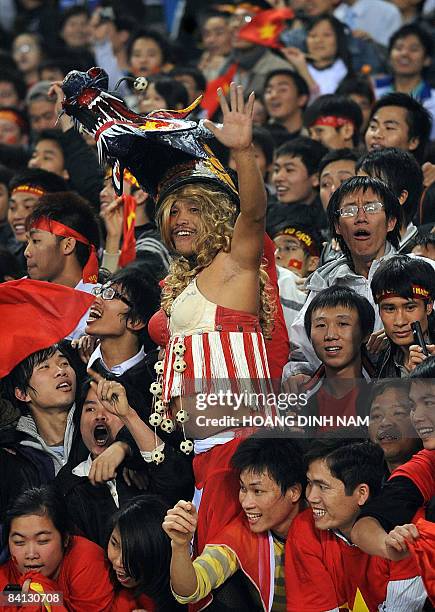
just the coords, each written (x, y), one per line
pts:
(224, 349)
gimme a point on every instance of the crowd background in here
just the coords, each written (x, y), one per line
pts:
(343, 138)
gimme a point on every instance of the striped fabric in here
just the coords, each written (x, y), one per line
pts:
(218, 563)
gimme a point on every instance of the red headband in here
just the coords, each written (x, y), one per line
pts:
(332, 121)
(90, 271)
(13, 117)
(303, 237)
(37, 191)
(418, 293)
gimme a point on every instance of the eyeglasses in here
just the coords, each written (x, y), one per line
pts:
(109, 293)
(370, 209)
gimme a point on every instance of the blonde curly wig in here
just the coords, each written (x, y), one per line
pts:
(218, 215)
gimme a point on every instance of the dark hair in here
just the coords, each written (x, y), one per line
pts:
(308, 150)
(65, 64)
(73, 211)
(298, 81)
(146, 549)
(36, 177)
(400, 171)
(6, 175)
(143, 292)
(19, 377)
(55, 135)
(348, 298)
(343, 52)
(358, 85)
(385, 384)
(413, 29)
(280, 458)
(10, 76)
(335, 106)
(418, 118)
(353, 463)
(171, 90)
(337, 155)
(153, 35)
(9, 265)
(364, 183)
(399, 273)
(40, 501)
(425, 369)
(73, 11)
(262, 138)
(423, 240)
(192, 71)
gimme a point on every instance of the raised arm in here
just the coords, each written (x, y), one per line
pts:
(236, 134)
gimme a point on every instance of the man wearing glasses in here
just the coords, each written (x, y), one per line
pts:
(118, 318)
(364, 217)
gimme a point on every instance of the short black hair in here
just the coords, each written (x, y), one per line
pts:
(262, 138)
(143, 293)
(308, 150)
(399, 273)
(73, 211)
(6, 175)
(335, 106)
(39, 501)
(171, 90)
(36, 177)
(418, 118)
(354, 463)
(385, 384)
(298, 81)
(334, 296)
(153, 35)
(72, 11)
(19, 377)
(192, 71)
(11, 76)
(358, 85)
(364, 183)
(337, 155)
(400, 171)
(9, 265)
(425, 369)
(280, 458)
(413, 29)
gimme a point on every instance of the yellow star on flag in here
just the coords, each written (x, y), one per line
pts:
(267, 31)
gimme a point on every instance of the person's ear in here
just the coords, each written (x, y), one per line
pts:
(313, 263)
(303, 101)
(347, 131)
(65, 174)
(403, 197)
(21, 395)
(68, 245)
(135, 326)
(314, 178)
(429, 308)
(391, 224)
(363, 493)
(294, 493)
(413, 143)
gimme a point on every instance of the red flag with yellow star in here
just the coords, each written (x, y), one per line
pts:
(128, 250)
(266, 27)
(210, 100)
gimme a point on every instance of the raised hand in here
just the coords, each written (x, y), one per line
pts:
(236, 130)
(111, 394)
(180, 522)
(398, 539)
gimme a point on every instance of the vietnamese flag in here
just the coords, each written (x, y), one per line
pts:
(266, 26)
(128, 251)
(210, 100)
(34, 315)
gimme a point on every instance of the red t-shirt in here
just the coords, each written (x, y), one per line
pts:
(330, 406)
(83, 579)
(421, 470)
(323, 572)
(125, 602)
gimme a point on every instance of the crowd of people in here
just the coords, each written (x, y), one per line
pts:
(217, 282)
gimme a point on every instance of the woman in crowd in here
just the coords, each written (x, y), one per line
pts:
(327, 61)
(140, 553)
(45, 558)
